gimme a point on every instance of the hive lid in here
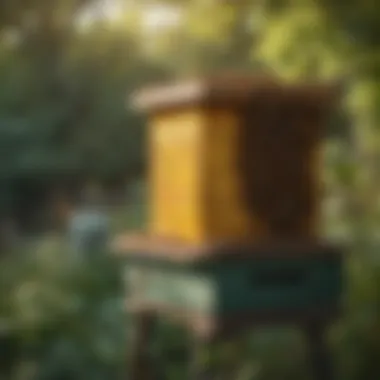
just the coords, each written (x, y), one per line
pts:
(232, 89)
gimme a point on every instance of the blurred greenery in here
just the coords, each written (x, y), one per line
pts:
(61, 319)
(65, 78)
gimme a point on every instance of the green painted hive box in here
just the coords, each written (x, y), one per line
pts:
(224, 281)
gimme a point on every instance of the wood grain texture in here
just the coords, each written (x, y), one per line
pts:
(176, 157)
(218, 173)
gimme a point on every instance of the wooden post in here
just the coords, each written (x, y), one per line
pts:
(321, 362)
(141, 362)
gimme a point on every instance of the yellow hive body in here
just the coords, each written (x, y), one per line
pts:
(235, 169)
(176, 175)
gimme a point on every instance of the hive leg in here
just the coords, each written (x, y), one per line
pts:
(320, 357)
(141, 361)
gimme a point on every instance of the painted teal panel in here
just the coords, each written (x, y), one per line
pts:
(276, 284)
(238, 286)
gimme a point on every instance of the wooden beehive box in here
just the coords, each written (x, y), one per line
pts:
(234, 158)
(234, 200)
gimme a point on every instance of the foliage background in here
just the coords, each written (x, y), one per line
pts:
(64, 122)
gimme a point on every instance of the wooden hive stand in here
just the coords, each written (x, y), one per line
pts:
(232, 240)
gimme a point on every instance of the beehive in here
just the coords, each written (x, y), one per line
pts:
(234, 158)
